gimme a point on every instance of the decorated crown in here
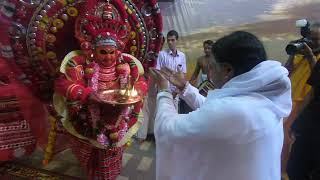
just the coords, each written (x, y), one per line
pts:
(103, 24)
(39, 35)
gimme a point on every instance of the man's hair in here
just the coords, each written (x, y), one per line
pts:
(173, 33)
(242, 50)
(208, 42)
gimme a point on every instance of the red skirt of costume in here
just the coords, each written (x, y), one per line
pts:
(16, 138)
(100, 164)
(22, 117)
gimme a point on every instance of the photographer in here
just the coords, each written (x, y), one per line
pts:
(304, 161)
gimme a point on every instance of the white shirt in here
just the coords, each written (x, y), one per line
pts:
(167, 59)
(236, 133)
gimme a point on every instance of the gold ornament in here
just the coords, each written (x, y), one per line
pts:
(42, 26)
(39, 50)
(72, 11)
(133, 48)
(45, 19)
(129, 11)
(51, 38)
(133, 35)
(114, 136)
(63, 2)
(89, 70)
(58, 23)
(53, 29)
(51, 55)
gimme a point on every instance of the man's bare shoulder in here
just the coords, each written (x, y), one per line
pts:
(201, 59)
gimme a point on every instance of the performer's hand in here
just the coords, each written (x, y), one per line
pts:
(158, 77)
(94, 98)
(177, 79)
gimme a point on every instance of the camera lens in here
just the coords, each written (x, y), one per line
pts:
(293, 48)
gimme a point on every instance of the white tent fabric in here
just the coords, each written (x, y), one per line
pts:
(194, 16)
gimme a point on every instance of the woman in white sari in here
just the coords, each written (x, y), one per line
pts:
(236, 133)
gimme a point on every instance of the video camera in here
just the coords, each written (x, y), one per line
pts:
(296, 46)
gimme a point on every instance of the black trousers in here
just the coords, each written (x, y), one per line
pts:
(304, 161)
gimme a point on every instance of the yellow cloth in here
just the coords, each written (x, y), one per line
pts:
(299, 77)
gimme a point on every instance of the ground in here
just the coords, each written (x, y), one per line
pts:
(138, 164)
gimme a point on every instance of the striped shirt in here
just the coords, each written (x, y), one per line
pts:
(167, 59)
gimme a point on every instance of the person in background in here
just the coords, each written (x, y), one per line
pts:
(234, 133)
(170, 58)
(202, 65)
(175, 60)
(304, 159)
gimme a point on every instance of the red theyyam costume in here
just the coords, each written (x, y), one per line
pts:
(77, 52)
(21, 128)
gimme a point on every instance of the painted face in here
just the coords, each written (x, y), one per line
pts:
(106, 55)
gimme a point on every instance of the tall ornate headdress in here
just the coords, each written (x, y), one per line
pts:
(44, 38)
(103, 24)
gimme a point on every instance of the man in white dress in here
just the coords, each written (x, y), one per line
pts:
(170, 58)
(236, 133)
